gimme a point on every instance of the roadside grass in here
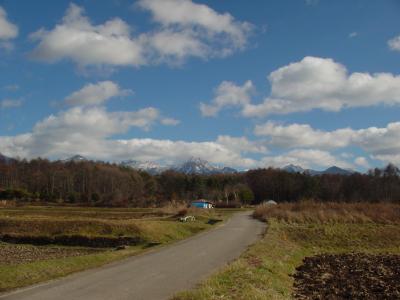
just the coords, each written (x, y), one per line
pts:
(20, 275)
(153, 232)
(265, 270)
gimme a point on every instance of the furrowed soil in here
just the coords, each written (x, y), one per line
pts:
(348, 276)
(41, 243)
(352, 252)
(18, 254)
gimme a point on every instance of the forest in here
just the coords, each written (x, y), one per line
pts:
(104, 184)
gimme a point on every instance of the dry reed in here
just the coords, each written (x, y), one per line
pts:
(325, 212)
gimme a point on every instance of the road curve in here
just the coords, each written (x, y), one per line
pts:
(155, 275)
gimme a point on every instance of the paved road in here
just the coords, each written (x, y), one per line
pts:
(155, 275)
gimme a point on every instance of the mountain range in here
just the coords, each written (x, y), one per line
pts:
(150, 167)
(334, 170)
(191, 166)
(197, 166)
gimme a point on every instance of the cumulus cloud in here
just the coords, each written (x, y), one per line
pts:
(362, 162)
(322, 83)
(175, 151)
(76, 38)
(319, 83)
(8, 30)
(79, 128)
(380, 143)
(241, 144)
(10, 103)
(228, 94)
(90, 132)
(186, 30)
(394, 43)
(303, 135)
(96, 94)
(185, 14)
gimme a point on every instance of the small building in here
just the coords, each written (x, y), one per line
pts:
(202, 203)
(270, 202)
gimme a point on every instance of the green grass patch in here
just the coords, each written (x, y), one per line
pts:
(264, 270)
(19, 275)
(36, 221)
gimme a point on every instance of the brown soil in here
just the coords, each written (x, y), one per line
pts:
(348, 276)
(18, 254)
(73, 240)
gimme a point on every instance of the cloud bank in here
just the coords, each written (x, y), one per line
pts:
(312, 83)
(184, 30)
(8, 30)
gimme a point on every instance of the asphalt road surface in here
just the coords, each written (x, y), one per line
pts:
(155, 275)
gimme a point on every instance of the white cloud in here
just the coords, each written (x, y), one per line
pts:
(304, 136)
(380, 143)
(318, 83)
(7, 29)
(241, 144)
(353, 34)
(307, 158)
(173, 47)
(78, 130)
(187, 14)
(362, 162)
(90, 131)
(202, 32)
(394, 43)
(321, 83)
(174, 151)
(77, 39)
(169, 121)
(228, 94)
(96, 94)
(10, 103)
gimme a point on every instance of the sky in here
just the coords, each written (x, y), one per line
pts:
(313, 83)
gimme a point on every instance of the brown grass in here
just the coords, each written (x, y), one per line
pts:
(319, 212)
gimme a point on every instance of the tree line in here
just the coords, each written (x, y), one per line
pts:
(106, 184)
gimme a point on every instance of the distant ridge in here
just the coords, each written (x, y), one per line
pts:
(192, 166)
(334, 170)
(196, 165)
(75, 158)
(6, 159)
(148, 166)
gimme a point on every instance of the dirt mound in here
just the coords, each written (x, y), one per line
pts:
(348, 276)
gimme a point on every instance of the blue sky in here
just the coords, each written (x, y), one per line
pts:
(313, 83)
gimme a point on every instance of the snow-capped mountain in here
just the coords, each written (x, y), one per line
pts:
(75, 158)
(148, 166)
(191, 166)
(200, 166)
(293, 169)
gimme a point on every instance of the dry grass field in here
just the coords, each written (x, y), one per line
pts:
(305, 244)
(40, 243)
